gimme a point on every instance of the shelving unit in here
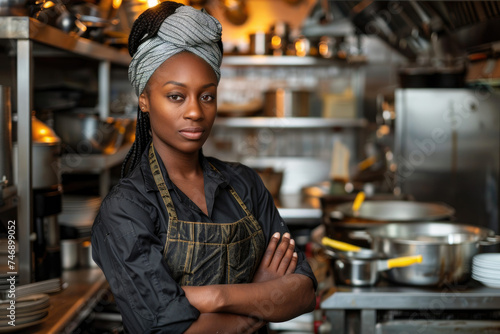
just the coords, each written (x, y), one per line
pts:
(289, 122)
(32, 36)
(286, 61)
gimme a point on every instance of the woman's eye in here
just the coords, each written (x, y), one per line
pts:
(175, 97)
(208, 98)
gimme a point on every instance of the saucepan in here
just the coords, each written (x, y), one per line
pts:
(356, 266)
(447, 249)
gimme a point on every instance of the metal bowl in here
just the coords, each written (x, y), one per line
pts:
(86, 134)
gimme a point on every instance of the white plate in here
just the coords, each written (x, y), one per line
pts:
(10, 329)
(487, 272)
(485, 279)
(24, 319)
(31, 302)
(495, 285)
(493, 258)
(486, 265)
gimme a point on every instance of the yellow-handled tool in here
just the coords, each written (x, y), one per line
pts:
(343, 246)
(403, 261)
(360, 197)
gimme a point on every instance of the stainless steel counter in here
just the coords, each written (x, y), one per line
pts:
(363, 306)
(82, 289)
(296, 211)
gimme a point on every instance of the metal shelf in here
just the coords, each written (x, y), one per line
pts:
(287, 61)
(31, 36)
(23, 27)
(92, 163)
(290, 122)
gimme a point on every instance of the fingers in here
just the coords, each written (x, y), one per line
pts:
(293, 264)
(271, 248)
(280, 251)
(287, 258)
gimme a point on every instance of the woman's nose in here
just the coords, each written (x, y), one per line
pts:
(194, 110)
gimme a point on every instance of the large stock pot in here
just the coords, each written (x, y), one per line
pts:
(447, 249)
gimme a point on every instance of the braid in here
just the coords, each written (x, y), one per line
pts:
(146, 26)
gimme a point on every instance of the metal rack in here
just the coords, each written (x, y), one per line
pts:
(290, 122)
(31, 35)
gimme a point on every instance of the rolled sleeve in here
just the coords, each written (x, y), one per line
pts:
(127, 249)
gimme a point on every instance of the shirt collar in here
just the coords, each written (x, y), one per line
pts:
(213, 179)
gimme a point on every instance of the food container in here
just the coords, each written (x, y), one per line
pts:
(85, 255)
(286, 102)
(447, 249)
(69, 253)
(272, 180)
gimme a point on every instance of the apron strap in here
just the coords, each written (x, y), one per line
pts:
(165, 195)
(160, 183)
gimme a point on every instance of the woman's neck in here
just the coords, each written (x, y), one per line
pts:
(179, 164)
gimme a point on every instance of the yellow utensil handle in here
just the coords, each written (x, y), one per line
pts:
(360, 197)
(343, 246)
(404, 261)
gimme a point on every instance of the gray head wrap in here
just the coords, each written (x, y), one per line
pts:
(188, 29)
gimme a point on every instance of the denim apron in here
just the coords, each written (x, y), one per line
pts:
(199, 253)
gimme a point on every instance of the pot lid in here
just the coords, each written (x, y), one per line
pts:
(397, 211)
(42, 134)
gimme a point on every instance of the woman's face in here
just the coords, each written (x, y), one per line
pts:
(181, 100)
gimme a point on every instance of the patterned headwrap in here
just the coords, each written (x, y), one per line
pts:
(188, 29)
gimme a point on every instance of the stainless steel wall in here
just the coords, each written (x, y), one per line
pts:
(448, 148)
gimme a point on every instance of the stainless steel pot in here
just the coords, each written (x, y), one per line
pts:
(447, 249)
(358, 266)
(395, 211)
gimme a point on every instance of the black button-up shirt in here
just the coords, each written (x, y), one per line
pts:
(129, 233)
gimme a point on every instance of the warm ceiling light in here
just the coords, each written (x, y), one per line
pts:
(117, 4)
(152, 3)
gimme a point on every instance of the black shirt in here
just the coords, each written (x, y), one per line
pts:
(129, 233)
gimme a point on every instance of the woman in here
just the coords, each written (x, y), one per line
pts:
(189, 243)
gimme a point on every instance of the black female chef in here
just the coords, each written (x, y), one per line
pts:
(189, 243)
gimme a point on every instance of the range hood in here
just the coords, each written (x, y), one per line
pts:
(419, 28)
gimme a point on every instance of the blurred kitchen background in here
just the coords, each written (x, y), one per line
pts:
(398, 99)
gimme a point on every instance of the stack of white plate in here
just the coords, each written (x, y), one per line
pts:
(30, 310)
(486, 269)
(79, 212)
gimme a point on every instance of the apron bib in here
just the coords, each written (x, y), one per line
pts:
(199, 253)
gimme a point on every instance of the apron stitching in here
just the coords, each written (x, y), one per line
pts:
(218, 244)
(217, 224)
(153, 163)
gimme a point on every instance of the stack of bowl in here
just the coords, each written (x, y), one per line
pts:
(486, 269)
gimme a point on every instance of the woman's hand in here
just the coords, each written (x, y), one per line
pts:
(278, 260)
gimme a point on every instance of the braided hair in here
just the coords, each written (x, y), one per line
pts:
(146, 26)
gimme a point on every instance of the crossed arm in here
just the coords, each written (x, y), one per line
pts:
(275, 294)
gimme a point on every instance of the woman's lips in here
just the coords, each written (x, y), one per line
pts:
(192, 133)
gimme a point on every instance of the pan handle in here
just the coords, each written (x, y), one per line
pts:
(360, 235)
(490, 241)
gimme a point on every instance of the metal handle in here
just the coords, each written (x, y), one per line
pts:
(363, 235)
(490, 241)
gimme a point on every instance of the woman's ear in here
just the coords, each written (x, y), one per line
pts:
(143, 103)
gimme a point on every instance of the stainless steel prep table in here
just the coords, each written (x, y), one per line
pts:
(356, 309)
